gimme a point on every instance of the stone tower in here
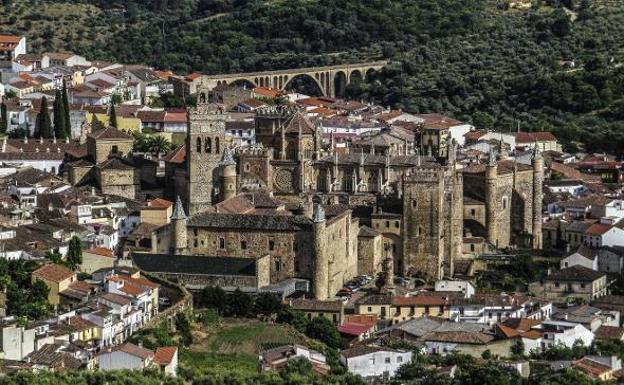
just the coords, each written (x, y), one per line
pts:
(178, 224)
(321, 259)
(538, 175)
(228, 175)
(205, 139)
(491, 173)
(432, 215)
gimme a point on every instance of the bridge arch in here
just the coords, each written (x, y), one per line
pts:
(340, 83)
(245, 82)
(304, 82)
(355, 76)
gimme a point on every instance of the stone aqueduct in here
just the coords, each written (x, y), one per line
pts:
(327, 78)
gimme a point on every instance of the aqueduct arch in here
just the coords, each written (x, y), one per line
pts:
(324, 77)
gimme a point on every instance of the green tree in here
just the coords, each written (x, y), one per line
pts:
(74, 254)
(239, 304)
(66, 109)
(267, 304)
(184, 328)
(59, 115)
(112, 116)
(213, 297)
(325, 331)
(55, 256)
(159, 145)
(293, 317)
(43, 120)
(483, 120)
(4, 123)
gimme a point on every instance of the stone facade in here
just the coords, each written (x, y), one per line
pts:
(205, 141)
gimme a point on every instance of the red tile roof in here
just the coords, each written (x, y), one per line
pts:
(104, 252)
(164, 355)
(53, 272)
(353, 329)
(419, 300)
(159, 203)
(597, 229)
(532, 137)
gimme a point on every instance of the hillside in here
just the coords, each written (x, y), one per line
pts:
(479, 60)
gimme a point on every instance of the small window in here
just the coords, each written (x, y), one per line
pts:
(472, 247)
(399, 359)
(271, 245)
(387, 224)
(473, 212)
(413, 203)
(217, 146)
(115, 149)
(198, 146)
(370, 309)
(195, 243)
(335, 318)
(222, 243)
(277, 265)
(208, 145)
(195, 232)
(396, 224)
(243, 245)
(387, 360)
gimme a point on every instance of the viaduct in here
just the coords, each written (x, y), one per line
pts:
(330, 80)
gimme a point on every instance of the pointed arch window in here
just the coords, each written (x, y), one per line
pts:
(208, 148)
(198, 145)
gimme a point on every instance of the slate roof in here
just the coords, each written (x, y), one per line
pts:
(250, 222)
(195, 264)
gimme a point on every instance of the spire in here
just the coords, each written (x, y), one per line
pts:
(178, 210)
(227, 159)
(536, 152)
(492, 158)
(318, 214)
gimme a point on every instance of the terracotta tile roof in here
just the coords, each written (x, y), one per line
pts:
(267, 92)
(419, 300)
(9, 39)
(164, 355)
(159, 203)
(133, 350)
(591, 367)
(117, 298)
(598, 229)
(53, 272)
(151, 116)
(507, 331)
(532, 334)
(609, 333)
(78, 323)
(353, 329)
(575, 273)
(438, 121)
(474, 135)
(177, 155)
(176, 117)
(110, 133)
(532, 137)
(103, 251)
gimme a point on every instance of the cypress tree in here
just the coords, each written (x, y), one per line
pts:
(66, 110)
(3, 118)
(43, 118)
(113, 116)
(59, 116)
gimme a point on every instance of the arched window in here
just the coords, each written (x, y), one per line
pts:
(202, 98)
(208, 148)
(198, 146)
(217, 147)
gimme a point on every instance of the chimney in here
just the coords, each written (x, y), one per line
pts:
(26, 139)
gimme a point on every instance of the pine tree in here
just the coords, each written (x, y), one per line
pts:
(113, 116)
(59, 116)
(66, 110)
(43, 120)
(74, 254)
(3, 118)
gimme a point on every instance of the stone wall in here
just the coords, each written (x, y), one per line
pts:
(370, 255)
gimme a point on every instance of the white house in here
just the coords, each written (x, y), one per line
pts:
(583, 256)
(166, 358)
(456, 286)
(603, 235)
(374, 361)
(553, 333)
(576, 188)
(126, 356)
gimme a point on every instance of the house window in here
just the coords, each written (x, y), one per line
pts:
(387, 224)
(399, 359)
(396, 224)
(115, 149)
(243, 245)
(335, 318)
(222, 243)
(426, 309)
(195, 243)
(370, 309)
(387, 360)
(271, 245)
(472, 247)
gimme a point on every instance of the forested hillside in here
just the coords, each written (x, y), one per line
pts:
(474, 59)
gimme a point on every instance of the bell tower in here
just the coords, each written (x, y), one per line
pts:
(205, 141)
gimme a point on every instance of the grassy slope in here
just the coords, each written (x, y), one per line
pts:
(233, 345)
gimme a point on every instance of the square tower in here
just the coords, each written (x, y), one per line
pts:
(205, 140)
